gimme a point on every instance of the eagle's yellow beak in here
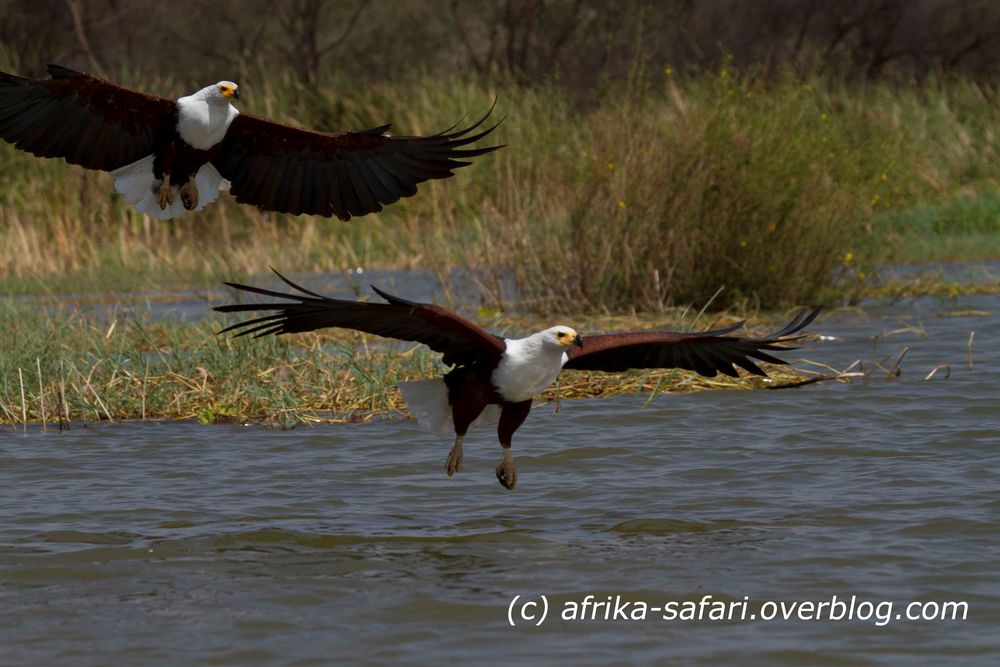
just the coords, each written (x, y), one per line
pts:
(568, 340)
(231, 92)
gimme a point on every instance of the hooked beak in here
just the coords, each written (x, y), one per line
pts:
(236, 94)
(578, 341)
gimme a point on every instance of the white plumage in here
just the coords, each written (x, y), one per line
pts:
(527, 367)
(135, 182)
(202, 121)
(204, 117)
(428, 403)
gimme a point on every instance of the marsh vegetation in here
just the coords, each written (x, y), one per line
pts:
(777, 191)
(63, 366)
(679, 166)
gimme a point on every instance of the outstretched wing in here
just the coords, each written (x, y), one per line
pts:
(706, 352)
(83, 119)
(460, 341)
(278, 167)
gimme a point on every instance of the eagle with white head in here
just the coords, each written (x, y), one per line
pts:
(494, 377)
(172, 156)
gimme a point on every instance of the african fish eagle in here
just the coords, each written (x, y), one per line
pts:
(494, 375)
(168, 157)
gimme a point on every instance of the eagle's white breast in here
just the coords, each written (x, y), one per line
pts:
(528, 366)
(204, 117)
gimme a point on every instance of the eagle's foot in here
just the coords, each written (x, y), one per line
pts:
(454, 461)
(164, 193)
(189, 195)
(507, 471)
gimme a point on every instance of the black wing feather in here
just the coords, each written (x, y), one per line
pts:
(707, 352)
(460, 341)
(364, 170)
(83, 119)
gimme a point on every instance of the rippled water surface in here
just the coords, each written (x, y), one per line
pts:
(173, 543)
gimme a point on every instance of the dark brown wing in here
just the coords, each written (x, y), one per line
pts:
(460, 341)
(706, 352)
(283, 168)
(82, 119)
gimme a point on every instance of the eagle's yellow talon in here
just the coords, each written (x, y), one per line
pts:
(507, 473)
(189, 195)
(165, 194)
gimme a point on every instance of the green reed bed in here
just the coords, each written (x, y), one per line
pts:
(61, 367)
(779, 191)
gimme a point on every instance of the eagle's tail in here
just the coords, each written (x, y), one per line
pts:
(428, 402)
(135, 182)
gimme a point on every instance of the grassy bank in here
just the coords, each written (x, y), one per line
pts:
(964, 227)
(62, 366)
(657, 195)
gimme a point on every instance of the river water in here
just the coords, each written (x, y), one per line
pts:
(179, 543)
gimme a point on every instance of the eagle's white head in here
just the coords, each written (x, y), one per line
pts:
(560, 337)
(218, 93)
(224, 90)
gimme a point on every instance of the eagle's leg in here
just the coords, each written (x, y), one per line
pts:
(511, 416)
(454, 461)
(164, 192)
(189, 194)
(465, 407)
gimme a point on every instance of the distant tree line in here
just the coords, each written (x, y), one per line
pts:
(579, 43)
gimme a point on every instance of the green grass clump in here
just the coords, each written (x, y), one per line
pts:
(132, 366)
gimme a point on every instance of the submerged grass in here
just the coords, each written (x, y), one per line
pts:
(775, 191)
(62, 366)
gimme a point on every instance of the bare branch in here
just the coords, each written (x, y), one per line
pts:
(347, 29)
(76, 12)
